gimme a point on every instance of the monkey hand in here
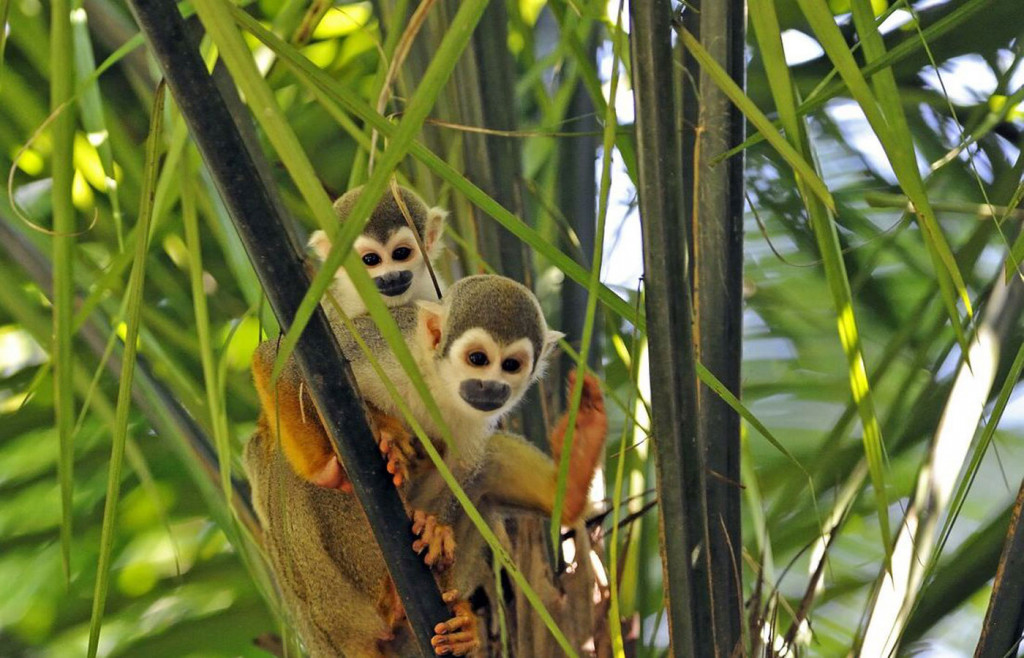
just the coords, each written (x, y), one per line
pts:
(587, 444)
(458, 635)
(436, 538)
(332, 475)
(395, 443)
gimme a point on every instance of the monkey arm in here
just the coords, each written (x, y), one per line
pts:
(291, 417)
(517, 473)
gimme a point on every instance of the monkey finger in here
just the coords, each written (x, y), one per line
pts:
(441, 554)
(450, 596)
(448, 548)
(447, 644)
(398, 468)
(464, 619)
(461, 643)
(433, 555)
(450, 626)
(419, 521)
(428, 528)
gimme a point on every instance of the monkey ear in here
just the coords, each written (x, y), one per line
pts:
(432, 231)
(320, 244)
(430, 319)
(551, 339)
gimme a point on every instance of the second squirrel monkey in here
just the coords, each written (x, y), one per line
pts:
(328, 566)
(478, 350)
(395, 255)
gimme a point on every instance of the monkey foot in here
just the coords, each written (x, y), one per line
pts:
(437, 538)
(458, 635)
(332, 476)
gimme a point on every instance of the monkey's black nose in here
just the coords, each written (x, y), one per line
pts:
(393, 284)
(485, 395)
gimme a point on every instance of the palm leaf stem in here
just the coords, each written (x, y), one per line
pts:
(278, 262)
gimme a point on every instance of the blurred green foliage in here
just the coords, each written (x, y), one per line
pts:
(186, 580)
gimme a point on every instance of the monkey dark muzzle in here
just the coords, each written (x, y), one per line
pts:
(393, 284)
(484, 395)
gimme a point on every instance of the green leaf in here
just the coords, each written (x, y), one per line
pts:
(93, 119)
(124, 394)
(61, 354)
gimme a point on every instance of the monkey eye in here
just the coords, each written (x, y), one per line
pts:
(511, 365)
(401, 253)
(478, 359)
(371, 259)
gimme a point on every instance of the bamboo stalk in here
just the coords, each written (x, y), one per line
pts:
(577, 200)
(717, 234)
(279, 265)
(679, 454)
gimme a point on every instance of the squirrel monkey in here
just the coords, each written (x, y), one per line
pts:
(397, 258)
(395, 255)
(479, 351)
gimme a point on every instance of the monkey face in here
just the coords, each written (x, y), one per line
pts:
(389, 250)
(392, 265)
(488, 376)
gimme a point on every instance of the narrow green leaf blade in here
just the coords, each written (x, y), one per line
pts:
(898, 147)
(124, 394)
(93, 118)
(792, 157)
(61, 354)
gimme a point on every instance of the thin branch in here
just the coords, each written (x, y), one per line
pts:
(1004, 621)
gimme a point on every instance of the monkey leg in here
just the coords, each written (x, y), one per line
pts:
(458, 636)
(291, 416)
(517, 473)
(438, 539)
